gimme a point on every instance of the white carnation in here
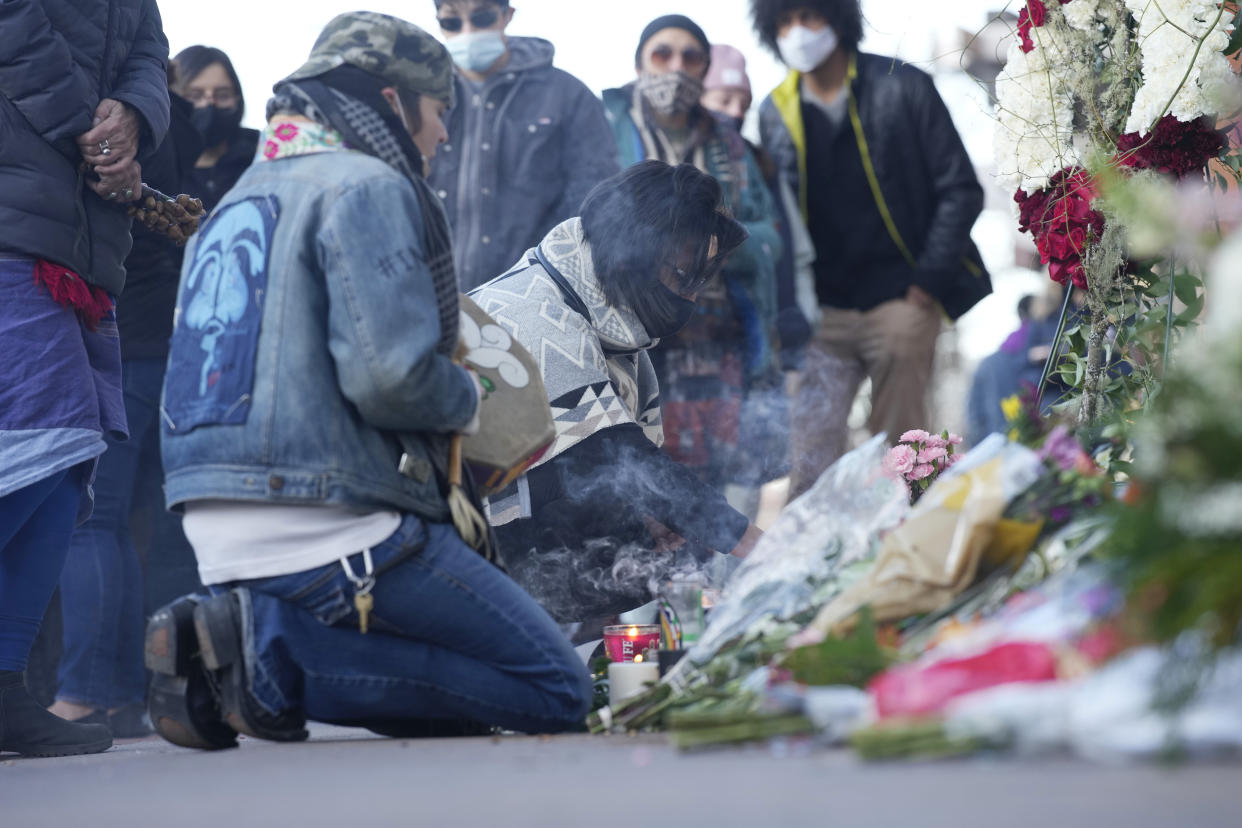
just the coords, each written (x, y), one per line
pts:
(1170, 33)
(1034, 129)
(1081, 14)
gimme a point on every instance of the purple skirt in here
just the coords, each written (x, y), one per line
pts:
(60, 384)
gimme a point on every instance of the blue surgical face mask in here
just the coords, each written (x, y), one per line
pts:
(476, 51)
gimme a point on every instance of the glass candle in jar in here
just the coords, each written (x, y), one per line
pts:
(624, 641)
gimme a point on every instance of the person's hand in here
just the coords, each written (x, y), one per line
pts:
(113, 140)
(747, 544)
(666, 540)
(920, 297)
(119, 182)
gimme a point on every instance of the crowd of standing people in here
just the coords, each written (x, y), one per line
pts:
(292, 384)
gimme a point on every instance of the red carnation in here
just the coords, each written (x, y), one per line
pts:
(1030, 209)
(1062, 222)
(1033, 16)
(1178, 148)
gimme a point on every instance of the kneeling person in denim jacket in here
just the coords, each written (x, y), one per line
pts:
(315, 326)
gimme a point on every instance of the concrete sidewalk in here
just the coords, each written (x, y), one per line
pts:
(349, 778)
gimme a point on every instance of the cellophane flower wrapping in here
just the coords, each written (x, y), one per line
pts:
(796, 566)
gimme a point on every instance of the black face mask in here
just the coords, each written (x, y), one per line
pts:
(735, 124)
(215, 125)
(667, 316)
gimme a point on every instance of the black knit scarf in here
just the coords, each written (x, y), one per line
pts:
(348, 100)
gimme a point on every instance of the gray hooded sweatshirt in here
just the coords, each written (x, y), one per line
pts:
(524, 149)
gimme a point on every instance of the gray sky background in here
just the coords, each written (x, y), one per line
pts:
(594, 39)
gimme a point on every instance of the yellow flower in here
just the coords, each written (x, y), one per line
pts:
(1012, 406)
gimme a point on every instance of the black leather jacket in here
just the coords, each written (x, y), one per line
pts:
(58, 59)
(927, 178)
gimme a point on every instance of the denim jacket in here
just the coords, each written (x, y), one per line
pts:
(303, 360)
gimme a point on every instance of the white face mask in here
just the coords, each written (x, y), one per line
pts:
(476, 51)
(805, 49)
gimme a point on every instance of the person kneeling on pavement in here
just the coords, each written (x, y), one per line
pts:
(316, 324)
(589, 302)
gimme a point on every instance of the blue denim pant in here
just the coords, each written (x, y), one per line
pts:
(101, 586)
(451, 637)
(35, 524)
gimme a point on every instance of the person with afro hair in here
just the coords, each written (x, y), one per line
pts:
(889, 196)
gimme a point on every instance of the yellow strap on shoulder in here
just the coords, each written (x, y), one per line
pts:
(788, 101)
(869, 168)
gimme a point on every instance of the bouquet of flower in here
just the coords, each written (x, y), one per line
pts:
(919, 458)
(1073, 485)
(1097, 99)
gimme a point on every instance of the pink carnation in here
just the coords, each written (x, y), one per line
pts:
(955, 439)
(918, 435)
(936, 441)
(932, 453)
(922, 471)
(900, 460)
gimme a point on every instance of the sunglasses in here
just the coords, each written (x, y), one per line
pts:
(481, 19)
(690, 58)
(687, 284)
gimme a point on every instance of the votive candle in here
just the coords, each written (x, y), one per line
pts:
(629, 678)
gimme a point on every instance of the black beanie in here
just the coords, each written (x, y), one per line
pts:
(671, 21)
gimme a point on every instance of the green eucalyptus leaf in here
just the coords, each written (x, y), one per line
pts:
(1191, 314)
(1157, 289)
(1186, 287)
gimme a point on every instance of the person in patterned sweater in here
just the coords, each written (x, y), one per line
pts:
(589, 302)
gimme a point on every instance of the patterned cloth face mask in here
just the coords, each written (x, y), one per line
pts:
(670, 93)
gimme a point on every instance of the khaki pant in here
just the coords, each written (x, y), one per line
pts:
(893, 344)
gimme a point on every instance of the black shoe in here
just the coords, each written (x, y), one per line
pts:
(183, 707)
(218, 623)
(129, 722)
(29, 729)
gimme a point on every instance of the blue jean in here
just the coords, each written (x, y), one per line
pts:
(451, 637)
(35, 524)
(101, 588)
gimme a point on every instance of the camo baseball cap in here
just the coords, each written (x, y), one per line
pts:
(394, 49)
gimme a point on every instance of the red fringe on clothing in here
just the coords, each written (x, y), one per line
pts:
(70, 290)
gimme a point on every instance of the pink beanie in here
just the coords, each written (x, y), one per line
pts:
(728, 69)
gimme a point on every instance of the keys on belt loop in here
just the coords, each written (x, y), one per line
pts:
(364, 601)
